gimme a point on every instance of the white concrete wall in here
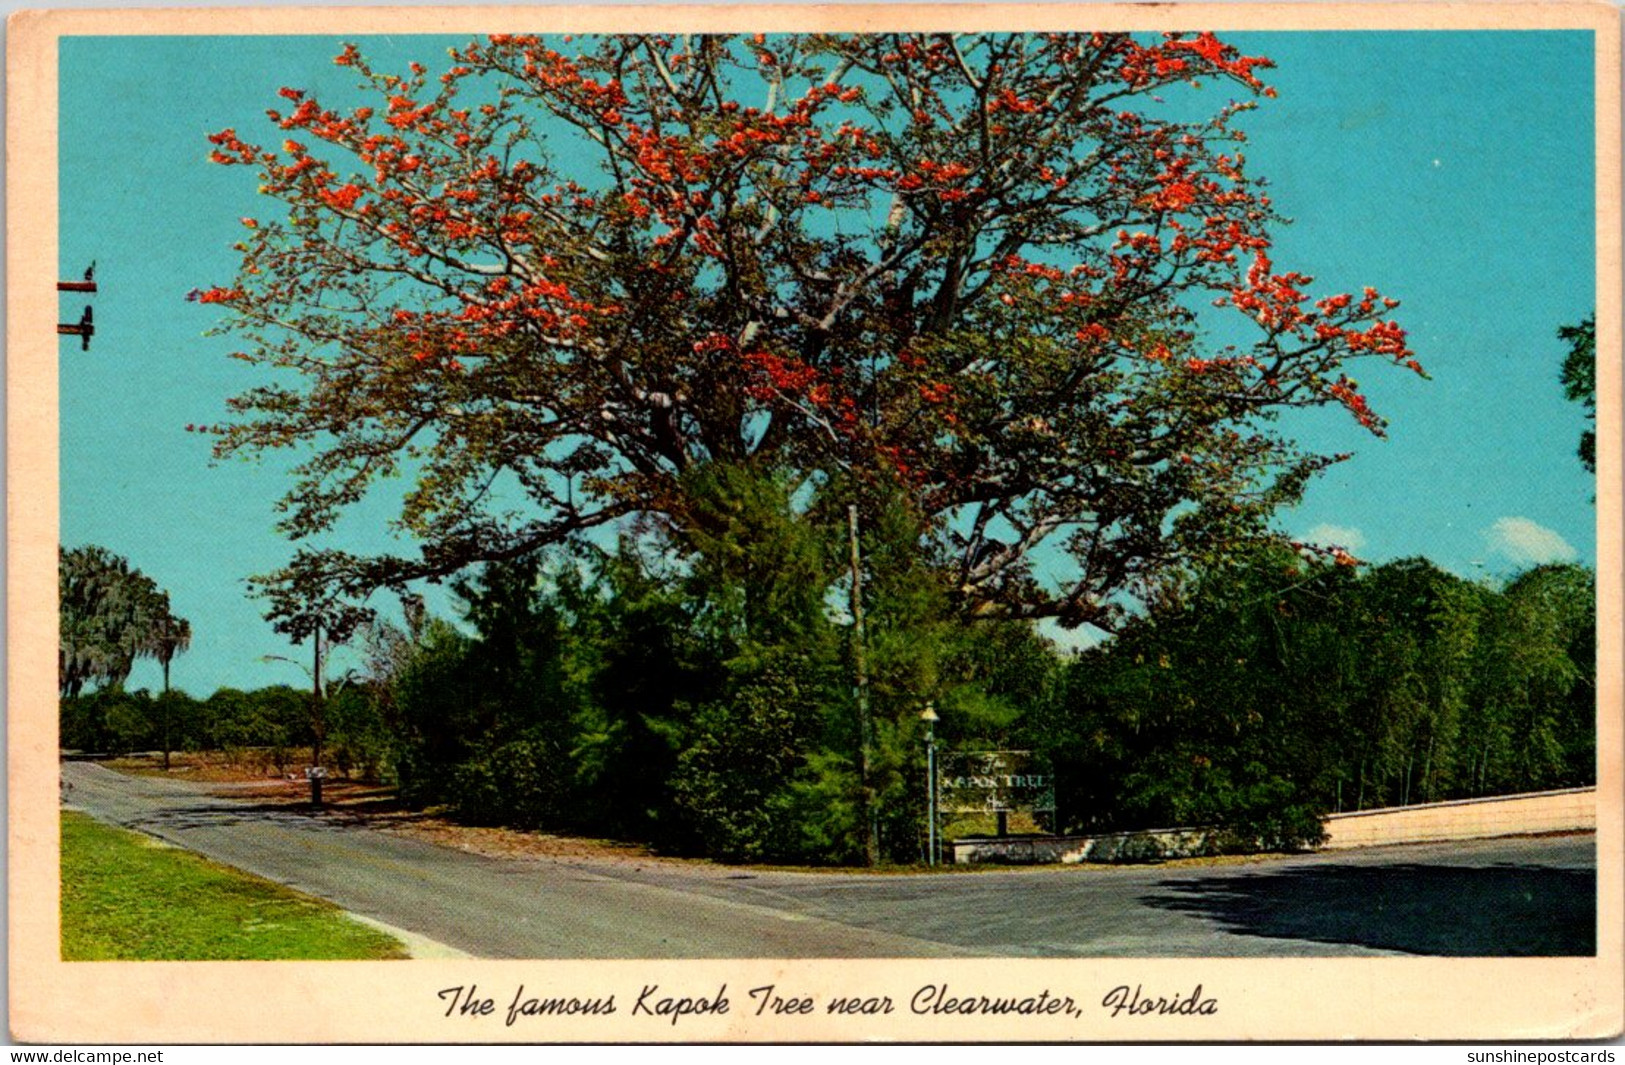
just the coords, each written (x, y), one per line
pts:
(1572, 810)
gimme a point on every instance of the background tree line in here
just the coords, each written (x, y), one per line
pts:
(1279, 692)
(266, 727)
(702, 700)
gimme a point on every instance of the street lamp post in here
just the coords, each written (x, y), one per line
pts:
(929, 716)
(317, 772)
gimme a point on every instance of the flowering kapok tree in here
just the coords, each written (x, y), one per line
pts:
(974, 268)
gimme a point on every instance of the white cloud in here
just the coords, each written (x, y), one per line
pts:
(1527, 543)
(1344, 536)
(1071, 640)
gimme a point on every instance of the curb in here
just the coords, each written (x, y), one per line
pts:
(417, 946)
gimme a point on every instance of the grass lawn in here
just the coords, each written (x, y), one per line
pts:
(127, 897)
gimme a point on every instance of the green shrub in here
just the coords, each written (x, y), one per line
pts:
(523, 784)
(733, 784)
(129, 721)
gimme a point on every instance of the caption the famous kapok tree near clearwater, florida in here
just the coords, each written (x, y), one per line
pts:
(971, 271)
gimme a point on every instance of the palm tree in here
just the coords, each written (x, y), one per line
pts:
(170, 636)
(109, 615)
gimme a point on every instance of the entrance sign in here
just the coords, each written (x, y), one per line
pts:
(981, 782)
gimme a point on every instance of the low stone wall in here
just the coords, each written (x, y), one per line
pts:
(1570, 810)
(1149, 846)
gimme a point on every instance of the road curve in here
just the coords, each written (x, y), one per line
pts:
(489, 908)
(1512, 897)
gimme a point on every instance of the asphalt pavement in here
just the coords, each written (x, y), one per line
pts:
(1522, 896)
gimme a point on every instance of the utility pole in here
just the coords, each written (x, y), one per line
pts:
(871, 835)
(316, 717)
(85, 327)
(315, 772)
(929, 716)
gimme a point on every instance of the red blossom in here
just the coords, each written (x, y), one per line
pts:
(705, 252)
(342, 198)
(1094, 333)
(216, 294)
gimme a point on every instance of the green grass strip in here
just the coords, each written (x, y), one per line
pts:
(127, 897)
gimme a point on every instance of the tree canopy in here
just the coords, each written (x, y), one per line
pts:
(110, 615)
(1580, 380)
(977, 270)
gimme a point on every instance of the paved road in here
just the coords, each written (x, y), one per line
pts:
(1486, 898)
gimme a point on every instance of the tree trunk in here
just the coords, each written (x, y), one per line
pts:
(869, 815)
(316, 718)
(166, 715)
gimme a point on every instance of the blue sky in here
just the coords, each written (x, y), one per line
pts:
(1453, 170)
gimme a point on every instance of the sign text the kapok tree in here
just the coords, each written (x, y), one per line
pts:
(995, 781)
